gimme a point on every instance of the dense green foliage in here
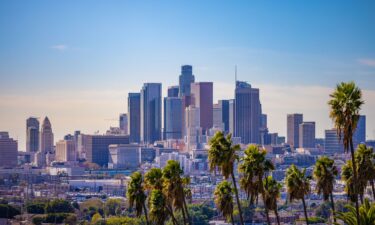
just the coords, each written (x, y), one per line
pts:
(8, 211)
(59, 206)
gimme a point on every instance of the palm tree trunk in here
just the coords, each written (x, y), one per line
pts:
(333, 208)
(145, 211)
(304, 209)
(183, 214)
(277, 216)
(231, 218)
(264, 200)
(355, 180)
(237, 198)
(373, 188)
(186, 208)
(170, 210)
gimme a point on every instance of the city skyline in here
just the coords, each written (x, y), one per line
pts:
(80, 72)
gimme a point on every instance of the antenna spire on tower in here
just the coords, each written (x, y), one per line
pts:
(235, 73)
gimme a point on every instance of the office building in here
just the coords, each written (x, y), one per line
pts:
(185, 79)
(247, 113)
(293, 122)
(231, 116)
(134, 117)
(224, 105)
(173, 91)
(332, 143)
(32, 134)
(173, 120)
(8, 151)
(193, 129)
(123, 123)
(151, 113)
(96, 147)
(263, 121)
(218, 117)
(202, 98)
(307, 135)
(124, 156)
(66, 151)
(359, 136)
(46, 149)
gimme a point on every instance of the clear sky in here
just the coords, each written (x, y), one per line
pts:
(75, 61)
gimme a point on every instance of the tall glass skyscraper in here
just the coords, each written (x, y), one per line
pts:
(359, 135)
(151, 112)
(32, 134)
(293, 122)
(134, 117)
(202, 98)
(173, 91)
(247, 113)
(186, 78)
(173, 119)
(224, 105)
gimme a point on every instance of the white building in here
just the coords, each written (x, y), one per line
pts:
(65, 151)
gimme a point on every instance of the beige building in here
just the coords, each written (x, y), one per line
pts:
(65, 151)
(8, 150)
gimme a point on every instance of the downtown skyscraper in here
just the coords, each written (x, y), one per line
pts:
(134, 117)
(292, 134)
(247, 113)
(185, 79)
(173, 118)
(32, 134)
(202, 98)
(151, 113)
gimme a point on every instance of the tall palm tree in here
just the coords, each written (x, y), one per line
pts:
(174, 187)
(345, 103)
(154, 179)
(325, 173)
(272, 193)
(347, 177)
(224, 199)
(364, 157)
(158, 209)
(255, 166)
(366, 216)
(136, 194)
(222, 155)
(298, 185)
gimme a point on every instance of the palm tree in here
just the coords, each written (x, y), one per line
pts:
(254, 166)
(224, 199)
(272, 193)
(364, 157)
(154, 179)
(347, 177)
(222, 155)
(174, 187)
(298, 185)
(158, 209)
(136, 194)
(345, 103)
(325, 173)
(366, 216)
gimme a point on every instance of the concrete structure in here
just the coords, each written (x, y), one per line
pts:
(247, 113)
(8, 151)
(134, 117)
(32, 134)
(202, 98)
(96, 147)
(124, 156)
(46, 143)
(293, 122)
(151, 113)
(224, 105)
(173, 120)
(123, 123)
(173, 91)
(307, 135)
(332, 143)
(185, 79)
(66, 151)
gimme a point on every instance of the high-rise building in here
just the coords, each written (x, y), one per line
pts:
(293, 122)
(8, 151)
(218, 117)
(332, 143)
(185, 79)
(263, 121)
(46, 143)
(124, 156)
(66, 151)
(123, 123)
(32, 134)
(151, 113)
(173, 91)
(173, 119)
(247, 113)
(193, 129)
(359, 136)
(307, 135)
(96, 147)
(224, 105)
(202, 98)
(231, 116)
(134, 117)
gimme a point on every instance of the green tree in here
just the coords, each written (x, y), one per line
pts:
(366, 214)
(222, 155)
(59, 206)
(272, 193)
(154, 179)
(35, 207)
(345, 103)
(8, 211)
(112, 206)
(364, 157)
(325, 173)
(224, 199)
(254, 167)
(298, 185)
(158, 208)
(96, 217)
(136, 194)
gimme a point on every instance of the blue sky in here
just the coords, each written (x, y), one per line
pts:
(64, 48)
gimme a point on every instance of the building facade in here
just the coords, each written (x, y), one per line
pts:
(185, 79)
(173, 91)
(307, 135)
(66, 151)
(32, 134)
(173, 120)
(124, 156)
(202, 98)
(8, 151)
(134, 117)
(123, 123)
(293, 122)
(332, 143)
